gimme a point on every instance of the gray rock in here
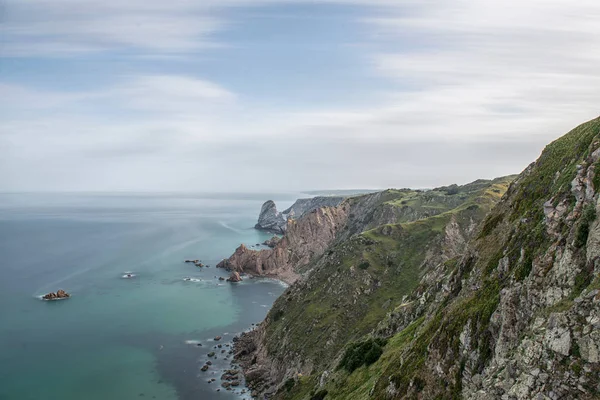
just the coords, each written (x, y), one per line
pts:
(270, 219)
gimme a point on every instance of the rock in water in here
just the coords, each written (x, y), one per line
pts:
(270, 219)
(234, 277)
(60, 294)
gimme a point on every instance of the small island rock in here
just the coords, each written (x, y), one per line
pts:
(234, 277)
(60, 294)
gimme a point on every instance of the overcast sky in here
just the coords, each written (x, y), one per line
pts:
(251, 95)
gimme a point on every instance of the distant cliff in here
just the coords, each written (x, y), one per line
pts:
(274, 221)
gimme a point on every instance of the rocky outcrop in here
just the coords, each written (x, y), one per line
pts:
(274, 221)
(270, 219)
(234, 277)
(306, 238)
(272, 242)
(60, 294)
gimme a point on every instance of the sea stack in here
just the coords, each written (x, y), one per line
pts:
(234, 277)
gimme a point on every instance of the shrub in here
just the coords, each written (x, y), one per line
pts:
(289, 384)
(583, 230)
(364, 264)
(320, 395)
(277, 315)
(452, 190)
(362, 353)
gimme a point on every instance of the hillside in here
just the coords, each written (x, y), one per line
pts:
(438, 305)
(387, 243)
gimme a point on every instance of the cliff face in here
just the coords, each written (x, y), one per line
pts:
(456, 304)
(274, 221)
(270, 219)
(304, 239)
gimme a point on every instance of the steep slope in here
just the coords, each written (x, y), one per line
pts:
(516, 316)
(375, 261)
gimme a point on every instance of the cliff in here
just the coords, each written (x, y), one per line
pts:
(309, 236)
(460, 292)
(274, 221)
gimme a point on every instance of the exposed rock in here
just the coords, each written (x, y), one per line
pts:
(272, 242)
(306, 238)
(234, 277)
(60, 294)
(270, 219)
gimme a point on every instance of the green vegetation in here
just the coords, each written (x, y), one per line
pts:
(364, 264)
(320, 395)
(583, 230)
(362, 353)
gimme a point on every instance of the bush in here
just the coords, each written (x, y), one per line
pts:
(277, 315)
(320, 395)
(583, 230)
(362, 353)
(289, 384)
(364, 264)
(452, 190)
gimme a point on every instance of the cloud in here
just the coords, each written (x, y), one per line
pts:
(473, 89)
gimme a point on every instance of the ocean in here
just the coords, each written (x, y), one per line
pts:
(140, 338)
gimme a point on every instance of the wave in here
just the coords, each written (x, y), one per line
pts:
(224, 225)
(41, 297)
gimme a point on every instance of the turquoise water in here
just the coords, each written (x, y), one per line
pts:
(122, 338)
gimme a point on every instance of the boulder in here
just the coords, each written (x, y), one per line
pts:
(234, 277)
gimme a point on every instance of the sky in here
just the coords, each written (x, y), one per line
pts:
(283, 95)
